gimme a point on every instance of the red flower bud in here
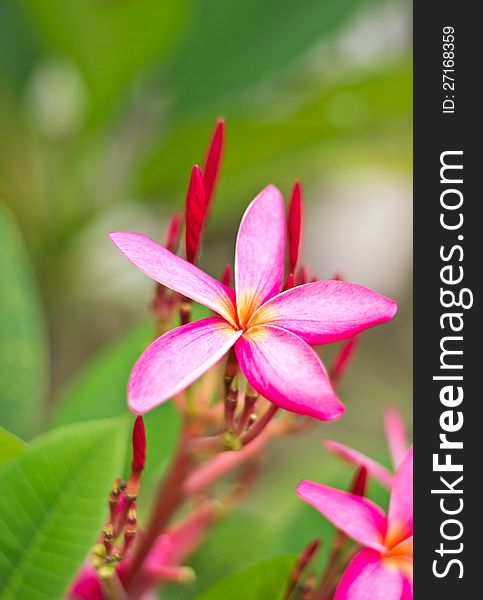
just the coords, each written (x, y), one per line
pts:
(343, 358)
(195, 213)
(213, 160)
(289, 283)
(359, 483)
(138, 446)
(172, 235)
(302, 276)
(295, 225)
(226, 277)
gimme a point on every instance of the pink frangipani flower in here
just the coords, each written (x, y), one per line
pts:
(397, 441)
(271, 331)
(382, 570)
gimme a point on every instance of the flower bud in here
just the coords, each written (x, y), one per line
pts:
(295, 225)
(196, 207)
(213, 160)
(138, 446)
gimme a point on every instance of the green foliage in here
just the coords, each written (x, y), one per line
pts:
(235, 542)
(10, 446)
(293, 144)
(23, 346)
(99, 390)
(52, 506)
(267, 579)
(233, 45)
(110, 41)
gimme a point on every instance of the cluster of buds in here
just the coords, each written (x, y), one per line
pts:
(122, 524)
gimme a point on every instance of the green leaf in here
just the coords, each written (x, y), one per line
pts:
(23, 346)
(10, 446)
(331, 123)
(52, 506)
(99, 390)
(262, 581)
(233, 45)
(110, 41)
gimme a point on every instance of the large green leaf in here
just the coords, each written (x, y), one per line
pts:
(52, 506)
(110, 41)
(23, 347)
(262, 581)
(10, 446)
(233, 45)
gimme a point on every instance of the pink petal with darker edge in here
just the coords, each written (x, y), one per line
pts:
(368, 578)
(259, 255)
(284, 369)
(407, 593)
(400, 513)
(395, 434)
(176, 359)
(326, 311)
(176, 273)
(357, 517)
(376, 470)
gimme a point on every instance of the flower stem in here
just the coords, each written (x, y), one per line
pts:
(259, 425)
(251, 397)
(169, 497)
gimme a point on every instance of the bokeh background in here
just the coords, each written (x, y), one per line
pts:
(104, 107)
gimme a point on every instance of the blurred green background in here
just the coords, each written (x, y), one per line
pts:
(104, 107)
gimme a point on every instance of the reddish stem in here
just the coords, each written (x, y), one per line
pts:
(169, 496)
(259, 425)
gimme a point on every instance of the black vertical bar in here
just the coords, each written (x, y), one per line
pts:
(458, 133)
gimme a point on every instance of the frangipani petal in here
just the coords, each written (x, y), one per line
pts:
(259, 255)
(400, 513)
(396, 435)
(284, 369)
(176, 273)
(368, 578)
(407, 593)
(176, 359)
(326, 311)
(357, 517)
(376, 470)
